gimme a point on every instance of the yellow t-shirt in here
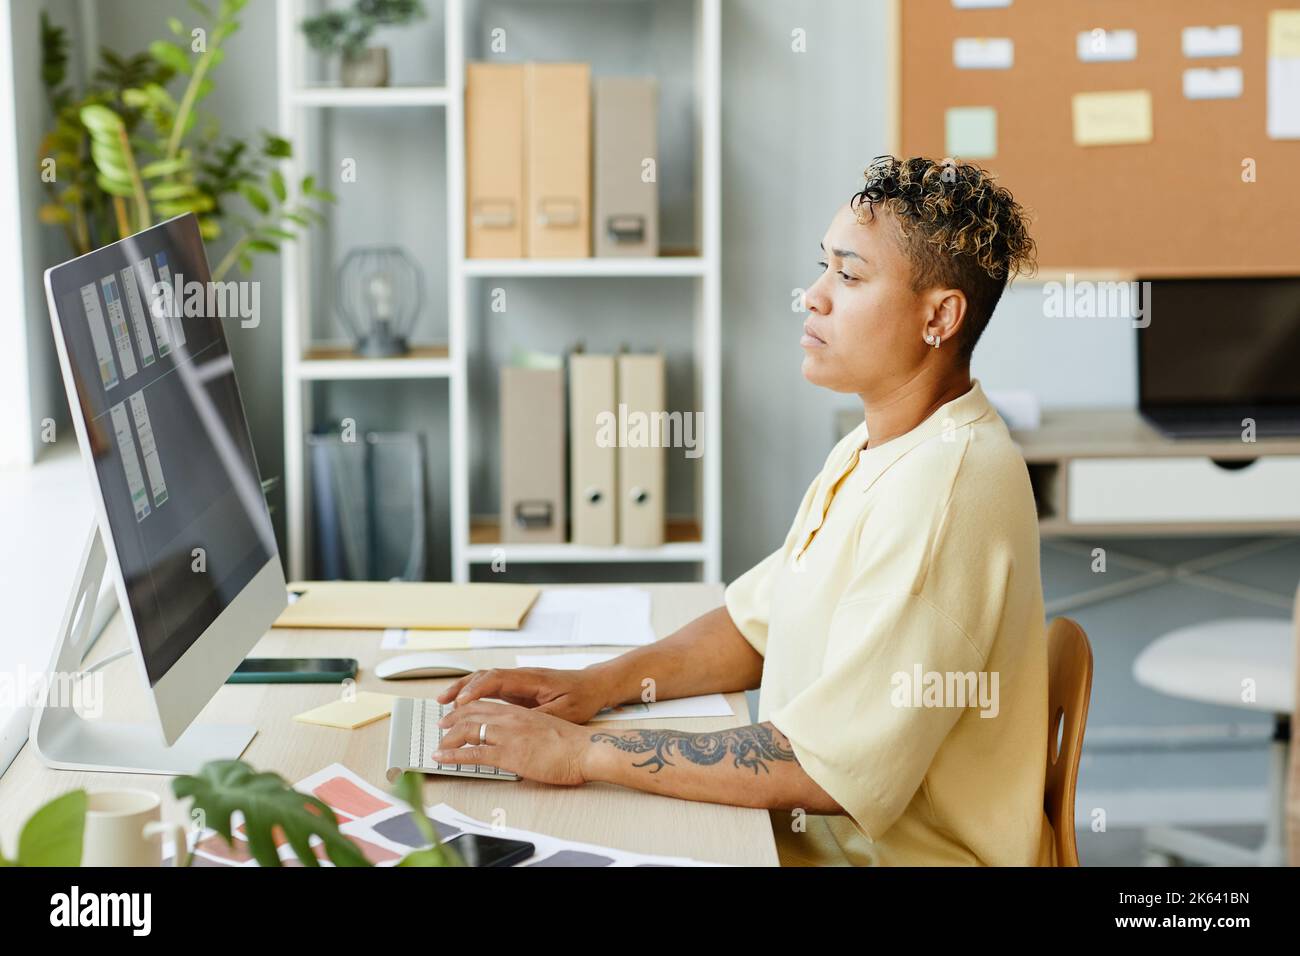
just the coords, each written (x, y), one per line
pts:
(903, 635)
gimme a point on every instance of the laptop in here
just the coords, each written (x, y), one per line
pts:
(1219, 351)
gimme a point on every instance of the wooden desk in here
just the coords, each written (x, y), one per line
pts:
(597, 813)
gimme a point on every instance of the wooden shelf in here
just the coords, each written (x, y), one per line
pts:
(611, 266)
(370, 96)
(682, 542)
(340, 362)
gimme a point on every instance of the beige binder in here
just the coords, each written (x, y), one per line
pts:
(641, 462)
(626, 207)
(558, 179)
(532, 456)
(436, 605)
(593, 456)
(494, 160)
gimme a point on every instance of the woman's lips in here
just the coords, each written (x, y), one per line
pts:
(810, 339)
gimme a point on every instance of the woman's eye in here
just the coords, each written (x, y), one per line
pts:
(847, 277)
(823, 265)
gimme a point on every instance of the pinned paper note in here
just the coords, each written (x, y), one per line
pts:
(350, 714)
(1212, 41)
(971, 132)
(1284, 33)
(1284, 74)
(1112, 118)
(1106, 46)
(979, 4)
(983, 53)
(1207, 84)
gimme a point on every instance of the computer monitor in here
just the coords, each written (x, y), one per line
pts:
(179, 505)
(1218, 351)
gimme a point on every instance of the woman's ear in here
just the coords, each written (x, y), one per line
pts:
(947, 314)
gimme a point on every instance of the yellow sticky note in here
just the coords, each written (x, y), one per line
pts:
(1111, 118)
(1284, 33)
(351, 714)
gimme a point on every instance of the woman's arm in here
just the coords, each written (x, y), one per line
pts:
(751, 766)
(708, 655)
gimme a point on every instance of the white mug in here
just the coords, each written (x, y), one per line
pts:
(124, 828)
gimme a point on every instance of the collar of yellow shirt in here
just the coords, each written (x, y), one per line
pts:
(944, 421)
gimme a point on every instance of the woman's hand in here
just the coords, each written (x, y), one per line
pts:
(522, 740)
(576, 696)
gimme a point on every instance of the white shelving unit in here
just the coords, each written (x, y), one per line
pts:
(695, 543)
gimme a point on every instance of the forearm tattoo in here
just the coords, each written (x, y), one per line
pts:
(754, 747)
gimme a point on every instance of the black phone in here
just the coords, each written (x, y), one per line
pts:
(294, 670)
(478, 850)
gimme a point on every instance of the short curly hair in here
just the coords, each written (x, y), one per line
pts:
(958, 227)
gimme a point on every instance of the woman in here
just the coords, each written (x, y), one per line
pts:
(898, 632)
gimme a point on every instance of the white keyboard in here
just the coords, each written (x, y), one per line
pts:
(414, 735)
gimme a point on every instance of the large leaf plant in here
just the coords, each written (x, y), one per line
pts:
(268, 804)
(128, 151)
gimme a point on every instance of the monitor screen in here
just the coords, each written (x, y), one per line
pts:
(1221, 342)
(166, 430)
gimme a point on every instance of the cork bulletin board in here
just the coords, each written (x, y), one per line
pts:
(1151, 185)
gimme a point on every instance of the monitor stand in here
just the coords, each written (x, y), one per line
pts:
(64, 740)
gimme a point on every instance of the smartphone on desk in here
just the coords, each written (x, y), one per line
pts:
(478, 850)
(294, 670)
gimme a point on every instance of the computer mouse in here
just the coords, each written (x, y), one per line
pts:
(408, 666)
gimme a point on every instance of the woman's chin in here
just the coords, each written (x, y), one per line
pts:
(812, 370)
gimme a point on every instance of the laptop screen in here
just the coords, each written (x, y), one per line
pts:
(1227, 343)
(166, 429)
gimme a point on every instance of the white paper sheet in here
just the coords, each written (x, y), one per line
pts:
(578, 617)
(1212, 41)
(1106, 46)
(1203, 83)
(983, 53)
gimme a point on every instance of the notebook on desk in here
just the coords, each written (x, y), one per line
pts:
(366, 605)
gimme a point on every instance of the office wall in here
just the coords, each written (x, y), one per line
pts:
(34, 389)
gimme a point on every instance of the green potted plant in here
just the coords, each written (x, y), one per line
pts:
(52, 836)
(134, 148)
(345, 32)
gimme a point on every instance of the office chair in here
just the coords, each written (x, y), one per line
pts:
(1069, 688)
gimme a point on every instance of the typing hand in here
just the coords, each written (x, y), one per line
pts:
(575, 696)
(521, 740)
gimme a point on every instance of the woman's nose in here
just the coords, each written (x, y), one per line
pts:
(815, 299)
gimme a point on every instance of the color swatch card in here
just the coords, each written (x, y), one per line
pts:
(1112, 118)
(384, 829)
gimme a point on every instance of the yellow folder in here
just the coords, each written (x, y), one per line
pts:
(402, 604)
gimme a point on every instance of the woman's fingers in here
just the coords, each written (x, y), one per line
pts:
(449, 693)
(477, 754)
